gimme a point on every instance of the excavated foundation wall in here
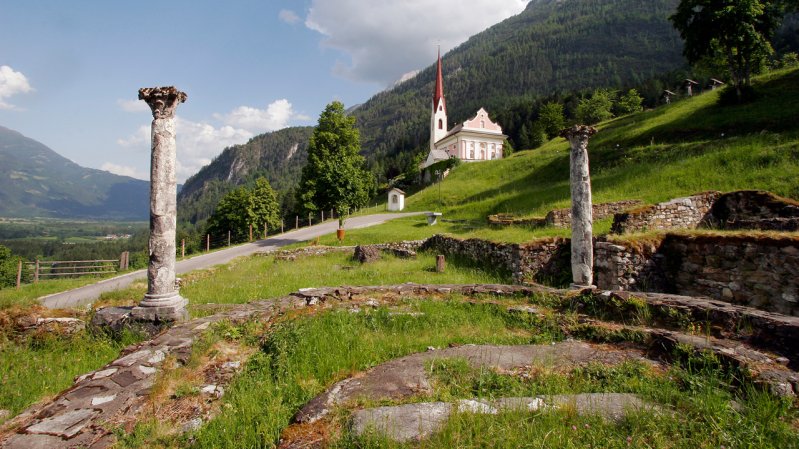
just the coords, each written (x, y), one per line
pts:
(753, 270)
(545, 260)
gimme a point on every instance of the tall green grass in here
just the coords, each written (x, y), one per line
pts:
(303, 357)
(263, 277)
(41, 365)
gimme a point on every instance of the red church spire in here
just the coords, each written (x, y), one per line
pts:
(439, 92)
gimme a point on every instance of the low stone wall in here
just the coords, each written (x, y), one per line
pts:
(618, 267)
(510, 220)
(542, 260)
(753, 270)
(563, 217)
(688, 212)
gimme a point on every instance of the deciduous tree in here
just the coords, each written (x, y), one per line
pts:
(597, 108)
(738, 30)
(629, 103)
(335, 176)
(552, 119)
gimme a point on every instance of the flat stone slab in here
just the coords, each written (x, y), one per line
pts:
(413, 422)
(403, 422)
(64, 425)
(407, 376)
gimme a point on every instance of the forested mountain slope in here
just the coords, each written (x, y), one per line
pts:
(553, 46)
(35, 181)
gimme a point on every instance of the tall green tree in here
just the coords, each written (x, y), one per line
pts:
(597, 108)
(263, 208)
(740, 31)
(232, 214)
(552, 119)
(629, 103)
(335, 176)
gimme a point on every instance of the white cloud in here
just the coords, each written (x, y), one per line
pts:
(387, 38)
(288, 16)
(277, 115)
(199, 142)
(124, 170)
(12, 83)
(132, 105)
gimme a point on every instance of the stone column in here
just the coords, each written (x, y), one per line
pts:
(162, 301)
(582, 245)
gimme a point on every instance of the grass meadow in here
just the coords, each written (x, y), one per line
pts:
(299, 358)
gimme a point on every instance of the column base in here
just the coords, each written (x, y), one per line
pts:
(163, 307)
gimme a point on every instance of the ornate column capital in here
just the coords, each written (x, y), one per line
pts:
(162, 100)
(578, 131)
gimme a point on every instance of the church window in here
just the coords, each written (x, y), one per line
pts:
(482, 123)
(440, 108)
(440, 124)
(394, 199)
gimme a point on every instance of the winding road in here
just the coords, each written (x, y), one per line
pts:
(89, 293)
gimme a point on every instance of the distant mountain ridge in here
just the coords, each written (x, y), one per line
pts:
(35, 181)
(553, 46)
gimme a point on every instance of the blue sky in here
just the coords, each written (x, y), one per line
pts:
(70, 70)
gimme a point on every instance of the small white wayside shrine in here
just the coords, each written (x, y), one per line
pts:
(396, 200)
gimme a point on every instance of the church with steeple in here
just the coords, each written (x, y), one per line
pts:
(476, 139)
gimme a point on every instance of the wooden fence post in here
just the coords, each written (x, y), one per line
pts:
(251, 233)
(323, 215)
(310, 219)
(19, 274)
(182, 248)
(207, 242)
(228, 237)
(281, 226)
(36, 272)
(331, 214)
(441, 264)
(265, 234)
(296, 222)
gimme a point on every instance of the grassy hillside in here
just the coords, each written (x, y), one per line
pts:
(680, 149)
(677, 150)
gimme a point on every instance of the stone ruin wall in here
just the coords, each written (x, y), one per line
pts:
(689, 212)
(563, 217)
(756, 271)
(542, 260)
(743, 209)
(747, 209)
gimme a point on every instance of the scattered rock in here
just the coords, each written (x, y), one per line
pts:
(192, 425)
(60, 326)
(524, 310)
(234, 365)
(366, 253)
(111, 318)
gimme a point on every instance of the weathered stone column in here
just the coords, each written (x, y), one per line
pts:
(162, 301)
(582, 245)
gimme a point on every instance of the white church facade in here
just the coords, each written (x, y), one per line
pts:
(476, 139)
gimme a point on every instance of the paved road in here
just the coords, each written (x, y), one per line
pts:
(87, 294)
